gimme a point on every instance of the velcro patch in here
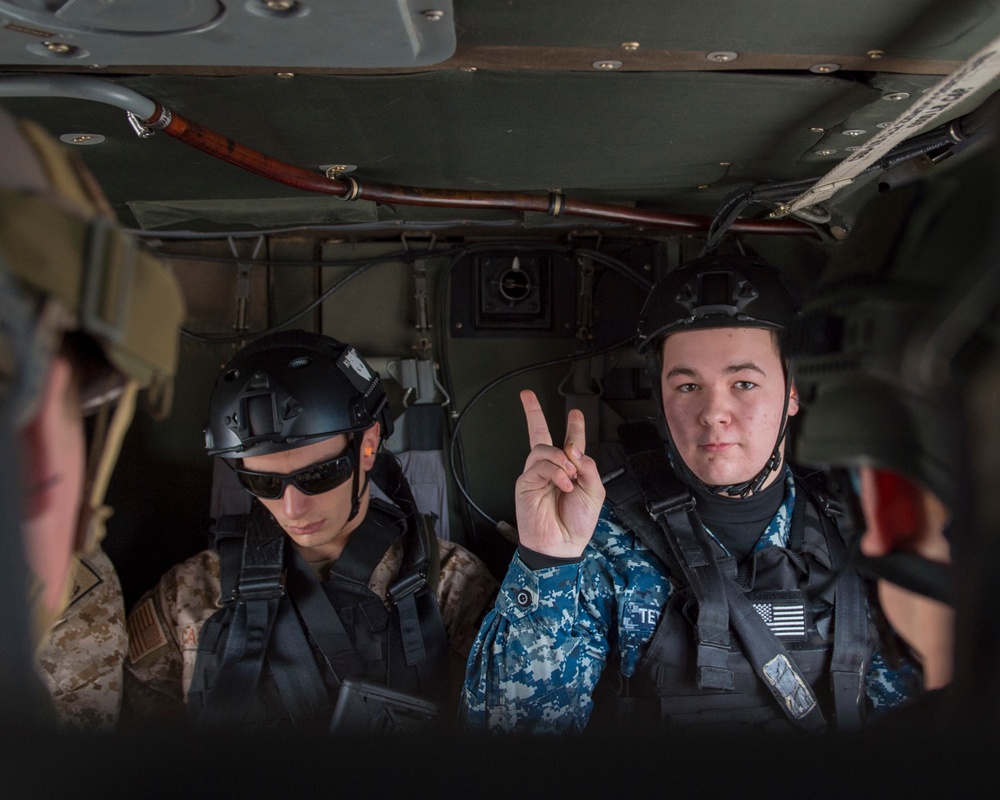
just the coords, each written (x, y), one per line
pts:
(145, 634)
(85, 579)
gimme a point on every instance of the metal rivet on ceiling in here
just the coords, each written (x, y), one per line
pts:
(882, 124)
(280, 5)
(705, 186)
(81, 138)
(469, 69)
(854, 132)
(721, 55)
(828, 152)
(607, 63)
(284, 75)
(433, 14)
(725, 163)
(876, 54)
(630, 46)
(59, 48)
(823, 69)
(896, 96)
(817, 130)
(852, 148)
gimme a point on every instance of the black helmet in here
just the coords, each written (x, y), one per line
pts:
(289, 389)
(716, 291)
(852, 349)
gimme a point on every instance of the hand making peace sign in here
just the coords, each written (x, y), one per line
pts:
(559, 495)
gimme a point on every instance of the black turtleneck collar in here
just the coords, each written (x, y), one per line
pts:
(739, 522)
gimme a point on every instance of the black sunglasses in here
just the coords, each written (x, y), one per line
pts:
(314, 479)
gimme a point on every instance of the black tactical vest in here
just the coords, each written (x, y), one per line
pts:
(782, 642)
(283, 642)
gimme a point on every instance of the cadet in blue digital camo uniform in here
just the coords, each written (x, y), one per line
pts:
(722, 606)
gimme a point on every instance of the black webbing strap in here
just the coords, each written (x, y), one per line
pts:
(404, 593)
(419, 621)
(324, 624)
(670, 503)
(294, 668)
(257, 595)
(229, 533)
(850, 640)
(773, 665)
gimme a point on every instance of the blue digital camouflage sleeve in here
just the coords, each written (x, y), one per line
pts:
(886, 687)
(541, 650)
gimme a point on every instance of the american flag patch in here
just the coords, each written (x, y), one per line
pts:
(786, 620)
(145, 634)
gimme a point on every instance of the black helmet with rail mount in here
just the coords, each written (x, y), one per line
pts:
(294, 388)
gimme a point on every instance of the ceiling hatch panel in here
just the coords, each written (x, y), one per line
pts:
(279, 33)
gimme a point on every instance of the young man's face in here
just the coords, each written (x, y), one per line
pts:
(318, 524)
(723, 392)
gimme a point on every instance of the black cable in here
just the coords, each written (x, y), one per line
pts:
(736, 201)
(456, 451)
(614, 264)
(519, 371)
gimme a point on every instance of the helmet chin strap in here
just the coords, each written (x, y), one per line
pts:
(358, 493)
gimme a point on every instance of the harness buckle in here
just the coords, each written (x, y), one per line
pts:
(267, 586)
(405, 587)
(682, 501)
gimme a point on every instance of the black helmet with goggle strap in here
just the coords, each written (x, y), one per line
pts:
(716, 291)
(291, 389)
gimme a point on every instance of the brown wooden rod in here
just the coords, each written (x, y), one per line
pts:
(215, 144)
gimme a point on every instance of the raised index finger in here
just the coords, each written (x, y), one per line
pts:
(538, 428)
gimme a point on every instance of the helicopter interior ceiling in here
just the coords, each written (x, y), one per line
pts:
(479, 115)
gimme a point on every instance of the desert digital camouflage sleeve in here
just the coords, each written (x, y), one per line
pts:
(163, 628)
(81, 661)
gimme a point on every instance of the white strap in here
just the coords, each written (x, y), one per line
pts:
(972, 76)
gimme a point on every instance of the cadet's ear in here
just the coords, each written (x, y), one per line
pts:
(369, 446)
(793, 400)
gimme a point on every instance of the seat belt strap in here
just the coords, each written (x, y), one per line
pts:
(670, 503)
(773, 665)
(294, 668)
(850, 640)
(257, 593)
(322, 620)
(228, 700)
